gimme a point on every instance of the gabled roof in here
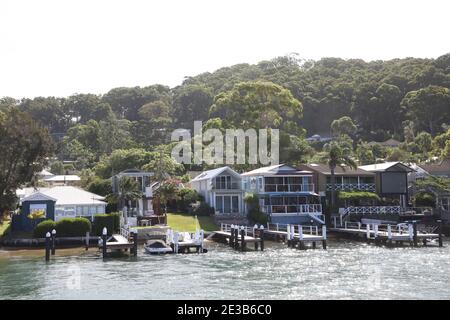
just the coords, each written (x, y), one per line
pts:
(387, 166)
(209, 174)
(63, 195)
(388, 143)
(278, 169)
(442, 167)
(325, 169)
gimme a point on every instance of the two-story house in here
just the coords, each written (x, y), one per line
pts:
(346, 179)
(285, 193)
(143, 205)
(391, 179)
(221, 188)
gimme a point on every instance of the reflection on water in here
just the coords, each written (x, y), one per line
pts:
(347, 270)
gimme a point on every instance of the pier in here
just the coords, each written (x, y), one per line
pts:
(125, 241)
(413, 232)
(298, 236)
(238, 237)
(183, 242)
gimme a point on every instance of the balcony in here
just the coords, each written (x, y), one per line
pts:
(288, 187)
(352, 187)
(226, 186)
(300, 209)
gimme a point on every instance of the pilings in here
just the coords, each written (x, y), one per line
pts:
(134, 234)
(239, 236)
(300, 238)
(53, 241)
(47, 246)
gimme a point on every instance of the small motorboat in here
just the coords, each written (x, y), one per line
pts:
(157, 247)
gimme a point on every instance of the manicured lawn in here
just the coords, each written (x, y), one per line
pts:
(184, 222)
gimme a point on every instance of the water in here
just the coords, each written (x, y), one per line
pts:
(347, 270)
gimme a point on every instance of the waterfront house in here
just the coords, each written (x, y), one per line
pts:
(391, 179)
(346, 179)
(142, 206)
(439, 169)
(286, 194)
(56, 203)
(62, 180)
(221, 189)
(390, 143)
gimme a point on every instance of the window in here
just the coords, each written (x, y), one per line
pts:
(219, 204)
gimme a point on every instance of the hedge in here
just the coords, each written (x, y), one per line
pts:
(67, 227)
(358, 195)
(72, 227)
(110, 221)
(42, 228)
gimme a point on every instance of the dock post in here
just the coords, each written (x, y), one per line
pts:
(231, 242)
(375, 230)
(254, 230)
(261, 236)
(288, 235)
(47, 246)
(176, 237)
(324, 237)
(135, 242)
(410, 232)
(53, 241)
(440, 233)
(415, 233)
(236, 237)
(104, 233)
(87, 241)
(368, 232)
(292, 236)
(242, 238)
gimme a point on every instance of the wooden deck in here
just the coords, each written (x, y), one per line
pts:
(388, 233)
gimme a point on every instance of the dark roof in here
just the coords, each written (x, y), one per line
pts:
(441, 167)
(325, 169)
(388, 143)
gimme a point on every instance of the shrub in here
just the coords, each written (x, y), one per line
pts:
(73, 227)
(256, 216)
(424, 199)
(110, 221)
(42, 228)
(187, 197)
(203, 209)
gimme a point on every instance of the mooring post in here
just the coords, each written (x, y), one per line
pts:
(135, 242)
(415, 233)
(53, 241)
(230, 243)
(104, 238)
(87, 240)
(292, 236)
(236, 237)
(324, 236)
(288, 235)
(47, 246)
(261, 236)
(440, 233)
(242, 238)
(368, 231)
(410, 232)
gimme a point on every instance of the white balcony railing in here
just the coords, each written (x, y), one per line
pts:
(226, 186)
(268, 187)
(300, 209)
(352, 186)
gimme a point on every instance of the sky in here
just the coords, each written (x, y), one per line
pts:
(59, 48)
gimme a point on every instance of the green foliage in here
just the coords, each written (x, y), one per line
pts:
(342, 126)
(186, 197)
(424, 199)
(73, 227)
(100, 186)
(203, 209)
(26, 147)
(358, 196)
(110, 221)
(42, 228)
(57, 167)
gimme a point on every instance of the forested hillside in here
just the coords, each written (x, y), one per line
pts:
(406, 99)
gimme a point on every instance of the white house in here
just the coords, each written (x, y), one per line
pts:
(222, 189)
(69, 202)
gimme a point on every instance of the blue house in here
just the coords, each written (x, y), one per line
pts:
(56, 203)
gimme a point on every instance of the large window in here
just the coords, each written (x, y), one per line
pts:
(227, 204)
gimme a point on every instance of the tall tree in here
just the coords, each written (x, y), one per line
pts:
(26, 147)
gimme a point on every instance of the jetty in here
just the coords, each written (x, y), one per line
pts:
(298, 236)
(126, 240)
(183, 242)
(412, 232)
(238, 237)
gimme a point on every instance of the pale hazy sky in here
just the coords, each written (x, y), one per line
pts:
(61, 47)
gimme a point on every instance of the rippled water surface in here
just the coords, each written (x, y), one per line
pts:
(347, 270)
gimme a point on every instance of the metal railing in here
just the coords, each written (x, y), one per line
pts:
(292, 209)
(272, 187)
(352, 186)
(226, 186)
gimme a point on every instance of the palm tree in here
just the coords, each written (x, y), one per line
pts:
(337, 156)
(129, 190)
